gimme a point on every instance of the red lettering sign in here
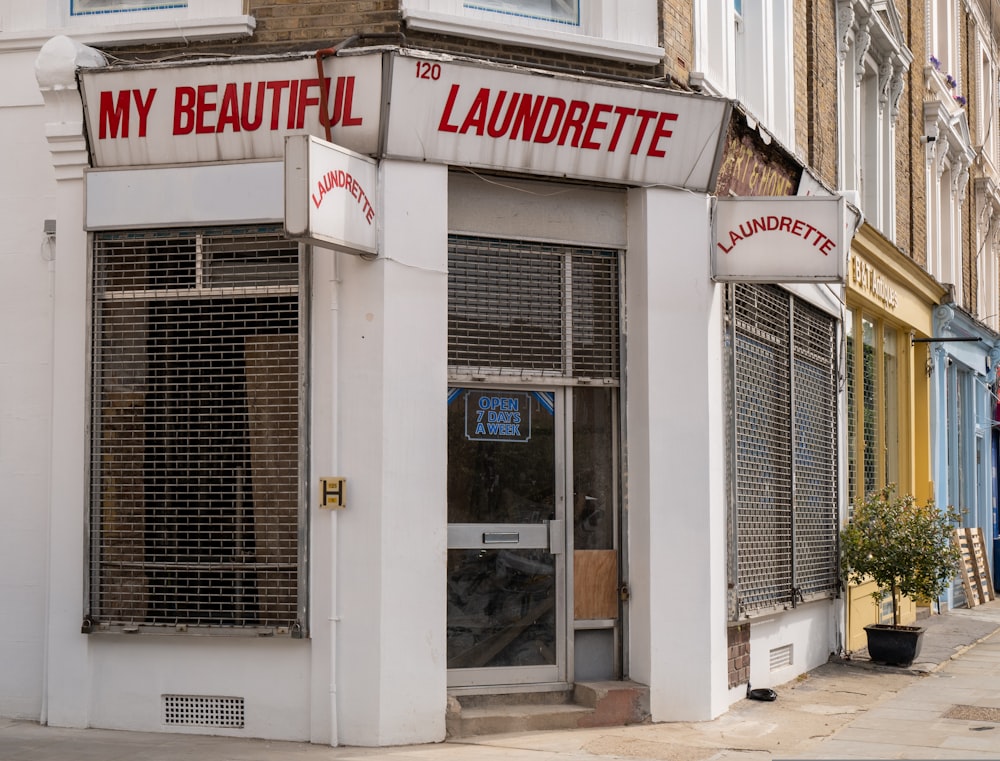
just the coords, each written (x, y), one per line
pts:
(550, 119)
(773, 223)
(229, 108)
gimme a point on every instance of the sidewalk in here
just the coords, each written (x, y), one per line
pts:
(946, 706)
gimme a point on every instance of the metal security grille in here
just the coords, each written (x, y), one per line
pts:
(783, 400)
(815, 473)
(194, 468)
(852, 413)
(520, 308)
(203, 711)
(763, 483)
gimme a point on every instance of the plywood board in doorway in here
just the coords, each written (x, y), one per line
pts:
(595, 584)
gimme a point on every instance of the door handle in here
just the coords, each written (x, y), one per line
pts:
(501, 537)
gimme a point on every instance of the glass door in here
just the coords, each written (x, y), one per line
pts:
(506, 537)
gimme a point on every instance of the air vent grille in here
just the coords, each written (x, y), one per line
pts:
(781, 657)
(203, 711)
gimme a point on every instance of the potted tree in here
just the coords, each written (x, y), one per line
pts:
(906, 549)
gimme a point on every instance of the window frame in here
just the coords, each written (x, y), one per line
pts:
(140, 21)
(607, 29)
(874, 60)
(104, 7)
(889, 405)
(799, 533)
(758, 39)
(227, 281)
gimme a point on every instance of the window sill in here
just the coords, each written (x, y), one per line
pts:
(258, 632)
(124, 34)
(442, 23)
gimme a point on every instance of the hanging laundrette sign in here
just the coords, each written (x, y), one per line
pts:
(781, 239)
(330, 195)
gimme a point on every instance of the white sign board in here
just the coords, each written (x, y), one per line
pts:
(330, 195)
(228, 111)
(780, 239)
(463, 114)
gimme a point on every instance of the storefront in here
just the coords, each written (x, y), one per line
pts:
(317, 487)
(783, 316)
(890, 303)
(964, 354)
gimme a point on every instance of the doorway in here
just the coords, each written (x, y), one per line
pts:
(506, 537)
(533, 593)
(534, 342)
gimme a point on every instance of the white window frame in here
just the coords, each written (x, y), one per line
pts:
(944, 224)
(873, 63)
(988, 251)
(624, 31)
(90, 7)
(528, 9)
(942, 18)
(986, 89)
(949, 152)
(136, 21)
(748, 56)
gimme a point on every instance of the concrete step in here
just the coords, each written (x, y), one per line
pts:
(588, 704)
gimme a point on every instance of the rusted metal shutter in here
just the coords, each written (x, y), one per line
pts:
(522, 308)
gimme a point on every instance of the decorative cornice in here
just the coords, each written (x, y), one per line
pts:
(55, 72)
(862, 42)
(845, 23)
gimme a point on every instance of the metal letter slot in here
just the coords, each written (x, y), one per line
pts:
(501, 537)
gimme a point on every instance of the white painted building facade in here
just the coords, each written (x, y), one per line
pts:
(624, 181)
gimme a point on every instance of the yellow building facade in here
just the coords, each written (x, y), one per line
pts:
(890, 301)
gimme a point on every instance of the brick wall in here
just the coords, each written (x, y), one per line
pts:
(305, 25)
(816, 62)
(739, 654)
(677, 39)
(911, 167)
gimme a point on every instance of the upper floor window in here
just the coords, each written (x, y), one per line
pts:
(559, 11)
(84, 7)
(943, 21)
(124, 21)
(874, 60)
(987, 113)
(602, 28)
(744, 51)
(949, 143)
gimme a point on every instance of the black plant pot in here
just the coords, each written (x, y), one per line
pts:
(894, 645)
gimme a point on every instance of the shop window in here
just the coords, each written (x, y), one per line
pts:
(744, 51)
(615, 30)
(195, 465)
(873, 382)
(784, 479)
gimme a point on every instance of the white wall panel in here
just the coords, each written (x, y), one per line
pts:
(185, 195)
